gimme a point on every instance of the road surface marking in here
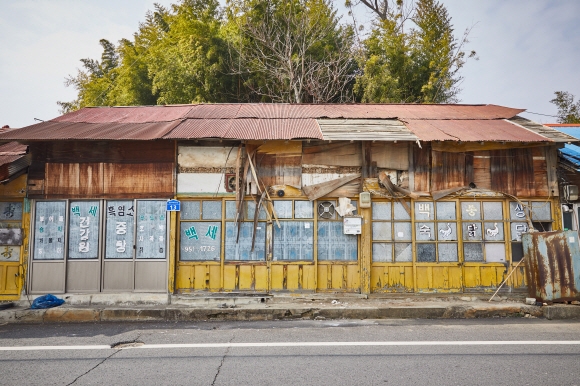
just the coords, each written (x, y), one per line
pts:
(302, 344)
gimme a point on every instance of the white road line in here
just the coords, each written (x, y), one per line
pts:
(304, 344)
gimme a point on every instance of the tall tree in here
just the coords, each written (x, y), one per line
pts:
(568, 111)
(411, 55)
(291, 51)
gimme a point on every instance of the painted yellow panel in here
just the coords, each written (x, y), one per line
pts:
(277, 277)
(2, 278)
(440, 278)
(424, 275)
(261, 278)
(214, 277)
(308, 276)
(324, 277)
(472, 277)
(246, 277)
(12, 279)
(15, 188)
(338, 277)
(292, 277)
(200, 277)
(230, 277)
(455, 278)
(353, 278)
(518, 278)
(183, 277)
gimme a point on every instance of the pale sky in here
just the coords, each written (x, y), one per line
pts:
(527, 50)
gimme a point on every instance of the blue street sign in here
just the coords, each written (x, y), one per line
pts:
(173, 206)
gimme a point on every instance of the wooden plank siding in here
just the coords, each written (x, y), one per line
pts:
(512, 172)
(123, 169)
(422, 166)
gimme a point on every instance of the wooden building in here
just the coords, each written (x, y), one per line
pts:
(277, 197)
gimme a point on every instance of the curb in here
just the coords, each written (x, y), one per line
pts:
(183, 314)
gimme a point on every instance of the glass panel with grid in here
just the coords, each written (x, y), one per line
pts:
(392, 231)
(436, 231)
(333, 244)
(294, 239)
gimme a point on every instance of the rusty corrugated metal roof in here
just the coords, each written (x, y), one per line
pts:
(544, 130)
(350, 111)
(13, 148)
(246, 129)
(51, 130)
(472, 130)
(133, 114)
(365, 130)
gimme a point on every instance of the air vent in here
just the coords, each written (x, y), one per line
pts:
(326, 210)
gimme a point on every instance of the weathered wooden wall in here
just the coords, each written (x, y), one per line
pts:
(120, 169)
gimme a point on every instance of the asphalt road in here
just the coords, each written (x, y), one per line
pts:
(379, 352)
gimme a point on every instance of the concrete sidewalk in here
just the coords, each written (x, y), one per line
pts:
(164, 308)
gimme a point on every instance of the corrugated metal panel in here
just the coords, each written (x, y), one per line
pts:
(52, 130)
(12, 148)
(365, 129)
(247, 129)
(472, 130)
(134, 114)
(351, 111)
(552, 265)
(548, 132)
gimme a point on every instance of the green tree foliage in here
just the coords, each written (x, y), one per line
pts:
(568, 111)
(411, 54)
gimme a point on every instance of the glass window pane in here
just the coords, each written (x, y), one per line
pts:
(403, 252)
(424, 211)
(424, 231)
(382, 230)
(495, 253)
(567, 218)
(211, 210)
(242, 250)
(447, 252)
(49, 222)
(294, 240)
(447, 231)
(517, 229)
(518, 211)
(189, 210)
(473, 252)
(542, 226)
(446, 211)
(400, 213)
(517, 252)
(541, 211)
(303, 209)
(381, 210)
(120, 230)
(493, 211)
(403, 231)
(231, 210)
(426, 253)
(493, 231)
(151, 229)
(251, 211)
(472, 231)
(200, 241)
(333, 244)
(10, 211)
(471, 210)
(283, 209)
(83, 229)
(382, 252)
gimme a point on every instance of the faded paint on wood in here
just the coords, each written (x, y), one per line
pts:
(153, 180)
(332, 154)
(540, 172)
(512, 172)
(481, 169)
(422, 167)
(279, 169)
(448, 170)
(455, 147)
(390, 155)
(322, 189)
(552, 165)
(196, 183)
(14, 188)
(523, 173)
(206, 157)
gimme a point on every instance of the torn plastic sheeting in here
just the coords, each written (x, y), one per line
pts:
(345, 208)
(46, 301)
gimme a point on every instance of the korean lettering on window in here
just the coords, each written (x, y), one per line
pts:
(120, 229)
(151, 230)
(84, 219)
(49, 234)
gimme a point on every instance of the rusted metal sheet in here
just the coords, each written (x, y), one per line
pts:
(552, 265)
(12, 148)
(53, 130)
(132, 114)
(248, 129)
(545, 130)
(472, 130)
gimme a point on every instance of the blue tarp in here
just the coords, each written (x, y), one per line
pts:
(46, 301)
(571, 152)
